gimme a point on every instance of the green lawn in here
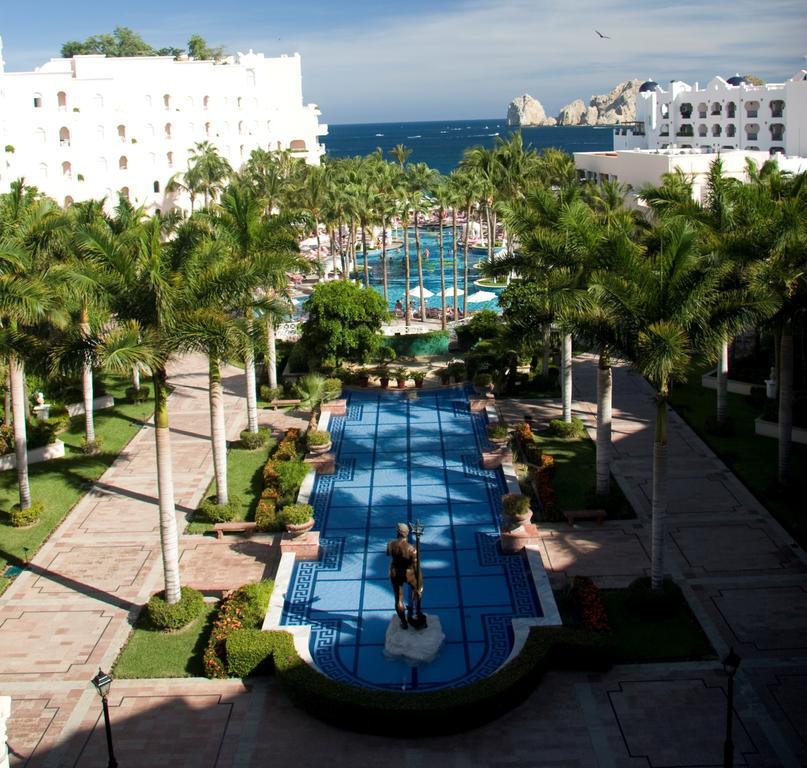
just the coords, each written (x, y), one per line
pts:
(244, 480)
(575, 477)
(154, 653)
(638, 640)
(751, 457)
(61, 482)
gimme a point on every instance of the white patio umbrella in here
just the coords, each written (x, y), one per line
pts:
(449, 292)
(479, 296)
(427, 294)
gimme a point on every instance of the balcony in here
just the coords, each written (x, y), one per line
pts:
(752, 113)
(751, 137)
(777, 113)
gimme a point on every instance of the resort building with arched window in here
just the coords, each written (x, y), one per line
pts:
(114, 123)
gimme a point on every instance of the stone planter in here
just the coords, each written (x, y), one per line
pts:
(384, 382)
(418, 384)
(53, 451)
(98, 404)
(771, 429)
(299, 529)
(709, 381)
(364, 381)
(401, 383)
(498, 441)
(320, 449)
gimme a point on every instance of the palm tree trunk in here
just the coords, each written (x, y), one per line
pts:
(454, 255)
(271, 352)
(442, 273)
(604, 395)
(491, 235)
(165, 490)
(659, 498)
(546, 349)
(87, 390)
(364, 248)
(249, 372)
(17, 376)
(420, 269)
(135, 378)
(218, 432)
(465, 262)
(384, 259)
(7, 403)
(407, 271)
(566, 374)
(722, 384)
(785, 401)
(333, 242)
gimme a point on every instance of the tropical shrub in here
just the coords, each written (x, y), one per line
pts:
(19, 517)
(254, 440)
(6, 439)
(515, 505)
(91, 447)
(268, 393)
(483, 380)
(593, 616)
(315, 438)
(138, 395)
(333, 388)
(296, 514)
(249, 652)
(290, 475)
(266, 516)
(498, 430)
(180, 614)
(570, 429)
(212, 512)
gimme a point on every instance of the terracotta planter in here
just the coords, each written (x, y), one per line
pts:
(384, 383)
(364, 381)
(498, 440)
(445, 380)
(419, 384)
(299, 530)
(319, 449)
(401, 383)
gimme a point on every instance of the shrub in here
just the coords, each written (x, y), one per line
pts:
(91, 447)
(268, 393)
(646, 603)
(315, 438)
(249, 652)
(515, 505)
(345, 375)
(333, 388)
(254, 440)
(10, 149)
(570, 429)
(483, 380)
(6, 438)
(593, 616)
(266, 517)
(138, 395)
(457, 370)
(290, 476)
(401, 374)
(296, 514)
(219, 513)
(19, 517)
(42, 433)
(498, 431)
(165, 616)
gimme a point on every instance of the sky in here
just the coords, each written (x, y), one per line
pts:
(386, 61)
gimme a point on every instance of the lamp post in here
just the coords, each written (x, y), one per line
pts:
(103, 682)
(730, 665)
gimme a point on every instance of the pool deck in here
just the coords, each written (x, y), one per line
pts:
(743, 575)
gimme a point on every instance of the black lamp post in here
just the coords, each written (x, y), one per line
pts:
(730, 664)
(103, 682)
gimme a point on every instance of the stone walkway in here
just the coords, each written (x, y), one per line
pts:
(742, 574)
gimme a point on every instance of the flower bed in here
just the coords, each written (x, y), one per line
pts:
(593, 615)
(282, 477)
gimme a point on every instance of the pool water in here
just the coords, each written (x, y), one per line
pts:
(403, 457)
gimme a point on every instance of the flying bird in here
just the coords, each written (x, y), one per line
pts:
(604, 37)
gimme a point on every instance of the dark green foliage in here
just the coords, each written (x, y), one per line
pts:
(6, 438)
(344, 322)
(42, 433)
(90, 447)
(253, 440)
(268, 393)
(138, 395)
(290, 475)
(125, 42)
(296, 514)
(484, 325)
(21, 517)
(165, 616)
(211, 512)
(249, 652)
(515, 505)
(570, 429)
(483, 380)
(419, 344)
(315, 438)
(644, 602)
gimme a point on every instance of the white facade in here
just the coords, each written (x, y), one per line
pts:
(637, 167)
(726, 114)
(91, 126)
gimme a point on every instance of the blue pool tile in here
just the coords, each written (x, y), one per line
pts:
(393, 445)
(442, 593)
(383, 477)
(453, 456)
(468, 492)
(356, 431)
(352, 567)
(378, 538)
(373, 666)
(390, 495)
(439, 563)
(363, 461)
(336, 596)
(427, 460)
(376, 566)
(377, 595)
(425, 443)
(450, 664)
(485, 591)
(472, 514)
(465, 535)
(347, 656)
(431, 514)
(387, 430)
(450, 620)
(432, 494)
(347, 517)
(355, 539)
(360, 445)
(476, 654)
(348, 632)
(388, 516)
(398, 418)
(469, 564)
(349, 496)
(427, 476)
(436, 537)
(374, 625)
(360, 478)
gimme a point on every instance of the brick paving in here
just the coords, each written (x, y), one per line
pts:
(744, 577)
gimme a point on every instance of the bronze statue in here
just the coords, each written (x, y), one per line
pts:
(405, 569)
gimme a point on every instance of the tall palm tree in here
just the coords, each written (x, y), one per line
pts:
(30, 226)
(444, 199)
(207, 170)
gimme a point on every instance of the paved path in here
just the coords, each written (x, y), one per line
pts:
(739, 569)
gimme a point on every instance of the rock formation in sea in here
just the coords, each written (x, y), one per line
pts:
(618, 106)
(526, 111)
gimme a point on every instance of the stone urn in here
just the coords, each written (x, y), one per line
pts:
(318, 450)
(298, 529)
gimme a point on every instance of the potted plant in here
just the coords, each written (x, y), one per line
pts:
(401, 375)
(445, 376)
(516, 508)
(383, 376)
(318, 441)
(498, 433)
(483, 383)
(417, 377)
(364, 378)
(457, 372)
(298, 518)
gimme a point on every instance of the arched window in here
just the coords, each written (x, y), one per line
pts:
(207, 129)
(251, 78)
(169, 156)
(124, 193)
(717, 108)
(150, 130)
(64, 137)
(122, 133)
(37, 100)
(206, 102)
(777, 131)
(43, 170)
(241, 130)
(148, 101)
(156, 186)
(68, 201)
(702, 110)
(168, 130)
(99, 132)
(731, 109)
(98, 101)
(167, 101)
(686, 110)
(152, 158)
(238, 102)
(751, 108)
(67, 170)
(241, 151)
(102, 164)
(297, 145)
(41, 136)
(189, 102)
(702, 130)
(777, 108)
(731, 130)
(665, 111)
(751, 131)
(123, 163)
(61, 97)
(717, 130)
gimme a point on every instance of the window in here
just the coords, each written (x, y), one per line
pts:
(751, 108)
(777, 108)
(102, 164)
(99, 132)
(206, 102)
(148, 101)
(717, 130)
(61, 97)
(702, 110)
(156, 186)
(68, 201)
(124, 193)
(731, 109)
(169, 157)
(122, 133)
(167, 101)
(189, 102)
(665, 111)
(41, 136)
(168, 130)
(731, 130)
(777, 131)
(43, 170)
(98, 101)
(241, 130)
(37, 100)
(238, 102)
(123, 163)
(64, 137)
(67, 170)
(150, 130)
(686, 110)
(297, 145)
(207, 129)
(717, 108)
(702, 130)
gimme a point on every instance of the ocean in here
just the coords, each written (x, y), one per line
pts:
(440, 143)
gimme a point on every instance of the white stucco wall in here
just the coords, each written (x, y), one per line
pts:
(89, 126)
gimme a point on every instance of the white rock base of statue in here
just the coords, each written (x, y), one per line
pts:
(414, 646)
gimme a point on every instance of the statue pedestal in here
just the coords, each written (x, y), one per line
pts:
(414, 646)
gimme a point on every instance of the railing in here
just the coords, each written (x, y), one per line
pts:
(751, 137)
(752, 113)
(777, 112)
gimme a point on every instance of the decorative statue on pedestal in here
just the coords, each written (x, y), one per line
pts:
(405, 569)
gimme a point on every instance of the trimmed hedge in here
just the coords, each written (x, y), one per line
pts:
(249, 652)
(572, 429)
(434, 713)
(138, 395)
(19, 517)
(165, 616)
(644, 602)
(254, 440)
(212, 512)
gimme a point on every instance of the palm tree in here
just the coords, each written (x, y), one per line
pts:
(312, 391)
(444, 198)
(30, 226)
(660, 299)
(207, 170)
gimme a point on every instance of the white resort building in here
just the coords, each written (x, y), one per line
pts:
(92, 126)
(686, 127)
